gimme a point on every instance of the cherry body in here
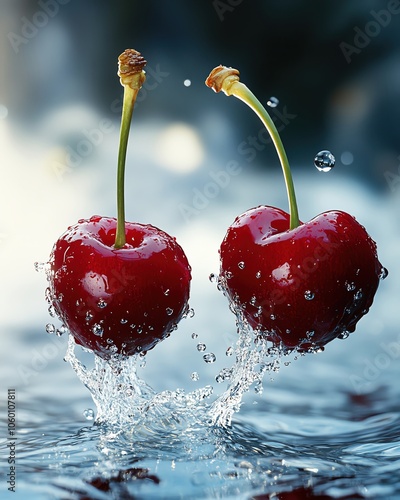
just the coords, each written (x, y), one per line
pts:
(304, 287)
(122, 300)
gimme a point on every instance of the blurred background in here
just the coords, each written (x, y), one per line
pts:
(333, 66)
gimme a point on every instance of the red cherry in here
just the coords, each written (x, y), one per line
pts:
(300, 288)
(131, 297)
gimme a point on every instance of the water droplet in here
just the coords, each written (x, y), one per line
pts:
(229, 351)
(350, 287)
(187, 82)
(324, 161)
(210, 357)
(50, 328)
(343, 335)
(347, 158)
(258, 275)
(60, 331)
(166, 293)
(273, 102)
(88, 316)
(228, 275)
(40, 266)
(97, 330)
(47, 295)
(88, 414)
(195, 376)
(201, 347)
(102, 304)
(309, 295)
(123, 321)
(253, 300)
(190, 313)
(213, 278)
(273, 316)
(194, 335)
(383, 274)
(110, 341)
(52, 311)
(241, 265)
(358, 295)
(169, 311)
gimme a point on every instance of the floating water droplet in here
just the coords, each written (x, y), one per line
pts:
(210, 357)
(383, 274)
(201, 347)
(229, 351)
(88, 414)
(194, 335)
(169, 311)
(102, 303)
(213, 278)
(50, 328)
(347, 158)
(187, 82)
(60, 331)
(97, 330)
(195, 376)
(52, 311)
(324, 161)
(273, 102)
(309, 295)
(241, 265)
(258, 388)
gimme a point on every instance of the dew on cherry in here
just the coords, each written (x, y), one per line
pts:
(258, 275)
(273, 102)
(350, 287)
(102, 304)
(309, 295)
(210, 357)
(50, 328)
(124, 321)
(52, 311)
(97, 330)
(169, 311)
(383, 274)
(201, 347)
(61, 331)
(253, 300)
(88, 316)
(324, 161)
(241, 265)
(88, 414)
(166, 293)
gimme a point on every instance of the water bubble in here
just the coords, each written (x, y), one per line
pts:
(210, 357)
(102, 304)
(309, 295)
(201, 347)
(383, 274)
(324, 161)
(195, 376)
(273, 102)
(169, 311)
(88, 414)
(97, 330)
(241, 265)
(195, 335)
(187, 82)
(50, 328)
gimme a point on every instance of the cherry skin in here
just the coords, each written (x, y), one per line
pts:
(299, 288)
(130, 298)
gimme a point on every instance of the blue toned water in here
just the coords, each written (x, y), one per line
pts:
(324, 425)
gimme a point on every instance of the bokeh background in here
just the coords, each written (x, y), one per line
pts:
(333, 65)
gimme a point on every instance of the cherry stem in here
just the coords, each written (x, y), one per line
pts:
(132, 77)
(227, 80)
